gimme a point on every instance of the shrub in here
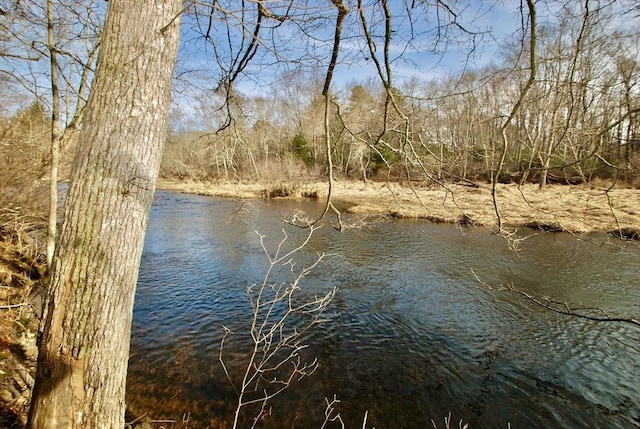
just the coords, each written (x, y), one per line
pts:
(300, 149)
(281, 190)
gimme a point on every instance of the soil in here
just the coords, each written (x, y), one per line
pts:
(570, 208)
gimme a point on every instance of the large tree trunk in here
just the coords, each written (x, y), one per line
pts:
(84, 339)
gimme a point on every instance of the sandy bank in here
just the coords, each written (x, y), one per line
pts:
(568, 208)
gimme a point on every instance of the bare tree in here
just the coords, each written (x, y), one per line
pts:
(65, 34)
(516, 108)
(77, 45)
(84, 343)
(55, 135)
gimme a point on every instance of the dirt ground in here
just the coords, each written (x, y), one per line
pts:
(574, 209)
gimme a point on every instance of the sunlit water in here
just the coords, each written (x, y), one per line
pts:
(413, 334)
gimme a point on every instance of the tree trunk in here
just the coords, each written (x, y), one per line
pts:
(84, 338)
(55, 136)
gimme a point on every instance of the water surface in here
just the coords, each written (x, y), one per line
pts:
(413, 335)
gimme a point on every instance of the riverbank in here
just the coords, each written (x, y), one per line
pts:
(21, 271)
(575, 209)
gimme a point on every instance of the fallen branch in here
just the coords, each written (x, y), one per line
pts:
(590, 313)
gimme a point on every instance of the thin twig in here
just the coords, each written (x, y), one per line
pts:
(8, 307)
(590, 313)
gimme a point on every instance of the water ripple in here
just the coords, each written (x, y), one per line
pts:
(411, 334)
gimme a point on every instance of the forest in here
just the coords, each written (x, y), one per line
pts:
(577, 122)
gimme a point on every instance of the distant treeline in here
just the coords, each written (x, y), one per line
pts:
(578, 122)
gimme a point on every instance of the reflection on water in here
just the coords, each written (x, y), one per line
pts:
(412, 336)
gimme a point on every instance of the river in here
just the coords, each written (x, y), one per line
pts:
(412, 335)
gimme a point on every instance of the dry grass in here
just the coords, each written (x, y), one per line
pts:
(20, 269)
(554, 207)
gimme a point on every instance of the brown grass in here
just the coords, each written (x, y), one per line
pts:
(552, 208)
(22, 266)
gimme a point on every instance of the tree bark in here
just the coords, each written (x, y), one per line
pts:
(55, 136)
(85, 332)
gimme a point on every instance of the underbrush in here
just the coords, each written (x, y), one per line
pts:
(22, 269)
(289, 190)
(281, 190)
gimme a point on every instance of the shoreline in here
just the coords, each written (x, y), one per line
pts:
(567, 208)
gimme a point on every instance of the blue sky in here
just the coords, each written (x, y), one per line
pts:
(306, 42)
(413, 45)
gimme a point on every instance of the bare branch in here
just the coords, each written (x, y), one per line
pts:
(590, 313)
(280, 320)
